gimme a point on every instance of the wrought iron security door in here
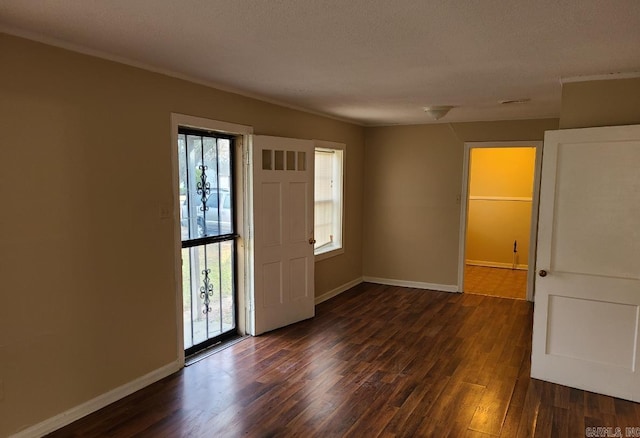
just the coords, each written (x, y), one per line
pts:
(207, 221)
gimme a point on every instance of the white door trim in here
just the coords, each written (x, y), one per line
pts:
(464, 206)
(244, 287)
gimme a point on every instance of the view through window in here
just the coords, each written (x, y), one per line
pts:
(328, 198)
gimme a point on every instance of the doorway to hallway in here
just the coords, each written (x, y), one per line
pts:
(499, 219)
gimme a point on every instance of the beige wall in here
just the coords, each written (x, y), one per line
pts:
(600, 103)
(413, 178)
(500, 197)
(87, 299)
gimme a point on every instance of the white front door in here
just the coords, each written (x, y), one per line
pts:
(283, 232)
(587, 303)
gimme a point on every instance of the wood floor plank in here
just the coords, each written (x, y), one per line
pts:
(376, 361)
(452, 411)
(411, 415)
(544, 422)
(626, 416)
(511, 422)
(492, 409)
(530, 409)
(576, 412)
(560, 422)
(561, 397)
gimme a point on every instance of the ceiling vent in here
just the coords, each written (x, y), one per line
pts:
(512, 101)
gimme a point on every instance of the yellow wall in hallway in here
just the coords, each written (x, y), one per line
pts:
(499, 213)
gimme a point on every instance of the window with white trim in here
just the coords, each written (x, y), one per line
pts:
(329, 164)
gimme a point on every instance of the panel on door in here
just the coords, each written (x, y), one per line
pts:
(587, 302)
(283, 232)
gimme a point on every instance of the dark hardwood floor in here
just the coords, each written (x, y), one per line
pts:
(375, 361)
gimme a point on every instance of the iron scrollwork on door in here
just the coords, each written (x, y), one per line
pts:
(206, 291)
(203, 187)
(205, 163)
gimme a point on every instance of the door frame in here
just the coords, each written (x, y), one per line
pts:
(242, 208)
(535, 205)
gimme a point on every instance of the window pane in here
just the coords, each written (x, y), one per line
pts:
(227, 285)
(199, 308)
(266, 159)
(291, 160)
(224, 183)
(213, 277)
(210, 225)
(195, 206)
(328, 202)
(206, 203)
(186, 297)
(323, 223)
(182, 187)
(208, 297)
(279, 160)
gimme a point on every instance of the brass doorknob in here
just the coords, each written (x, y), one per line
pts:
(312, 241)
(542, 273)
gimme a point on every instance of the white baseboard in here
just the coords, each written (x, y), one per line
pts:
(338, 290)
(495, 264)
(54, 423)
(413, 284)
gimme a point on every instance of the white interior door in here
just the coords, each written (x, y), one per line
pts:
(585, 329)
(283, 232)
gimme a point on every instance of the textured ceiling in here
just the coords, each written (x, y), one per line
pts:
(370, 61)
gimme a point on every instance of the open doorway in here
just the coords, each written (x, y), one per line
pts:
(208, 237)
(211, 257)
(499, 219)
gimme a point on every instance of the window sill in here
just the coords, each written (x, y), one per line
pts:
(328, 252)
